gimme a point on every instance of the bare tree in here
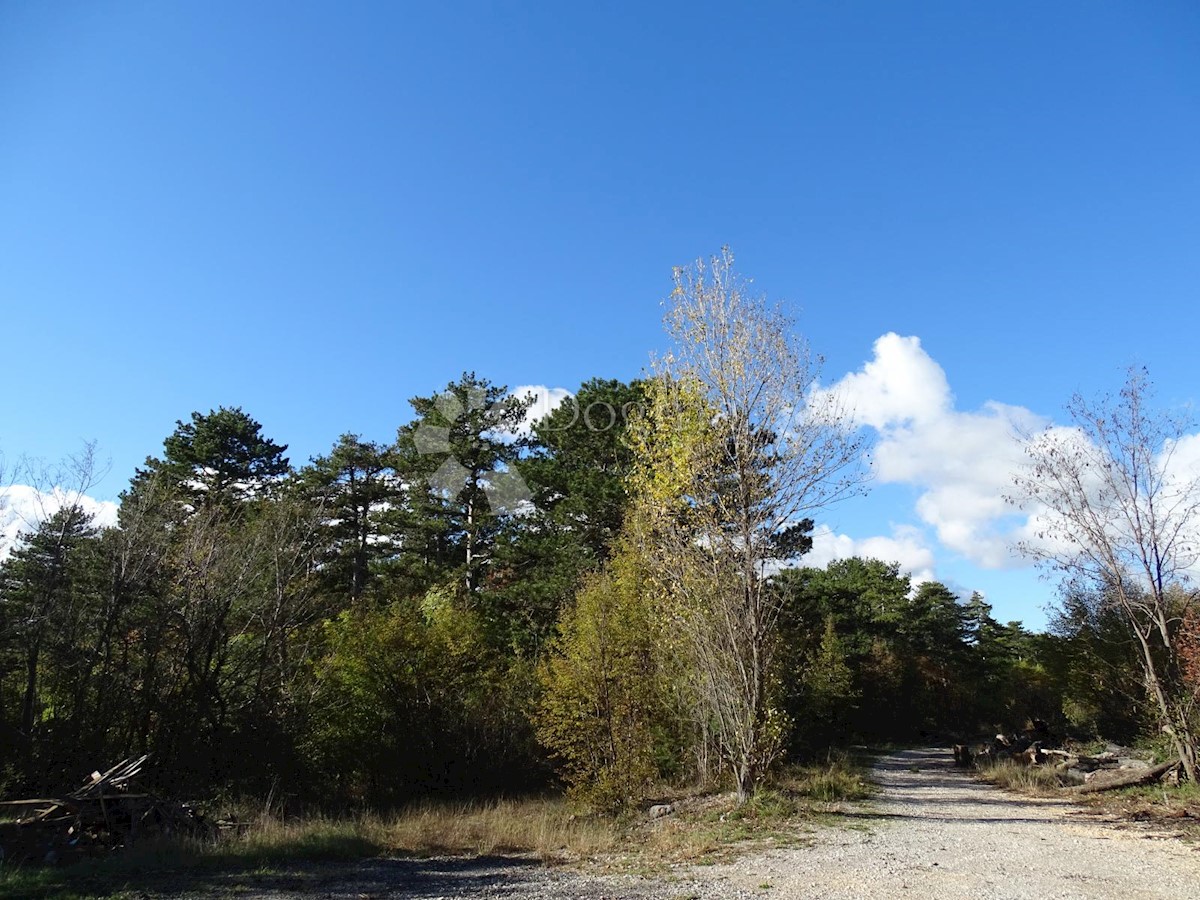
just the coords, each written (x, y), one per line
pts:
(736, 451)
(1117, 507)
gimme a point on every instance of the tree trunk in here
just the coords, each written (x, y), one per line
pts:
(747, 779)
(1180, 737)
(1138, 776)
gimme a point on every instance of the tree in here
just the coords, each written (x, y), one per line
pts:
(905, 649)
(37, 593)
(576, 465)
(580, 460)
(354, 486)
(1117, 509)
(219, 456)
(1094, 657)
(461, 449)
(602, 697)
(735, 452)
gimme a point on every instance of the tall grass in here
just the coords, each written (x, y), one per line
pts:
(542, 827)
(837, 779)
(1035, 781)
(546, 828)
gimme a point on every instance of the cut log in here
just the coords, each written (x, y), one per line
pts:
(1065, 754)
(1134, 777)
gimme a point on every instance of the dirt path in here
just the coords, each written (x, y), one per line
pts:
(937, 833)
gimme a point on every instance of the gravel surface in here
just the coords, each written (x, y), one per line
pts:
(932, 832)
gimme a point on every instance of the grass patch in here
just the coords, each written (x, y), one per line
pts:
(1172, 807)
(545, 827)
(1034, 781)
(542, 827)
(165, 864)
(704, 828)
(715, 828)
(838, 780)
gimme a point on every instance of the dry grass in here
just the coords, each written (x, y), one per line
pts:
(1172, 807)
(707, 828)
(542, 827)
(703, 828)
(1033, 781)
(546, 827)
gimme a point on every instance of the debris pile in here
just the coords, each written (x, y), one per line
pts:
(1111, 768)
(106, 813)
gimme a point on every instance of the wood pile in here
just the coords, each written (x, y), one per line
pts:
(106, 813)
(1099, 772)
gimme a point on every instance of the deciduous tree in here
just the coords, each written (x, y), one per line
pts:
(735, 453)
(1118, 509)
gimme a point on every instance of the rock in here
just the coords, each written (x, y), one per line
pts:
(1128, 762)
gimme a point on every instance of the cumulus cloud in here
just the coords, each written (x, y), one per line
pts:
(23, 508)
(962, 462)
(906, 546)
(901, 384)
(546, 400)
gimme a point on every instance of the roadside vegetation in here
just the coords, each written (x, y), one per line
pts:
(1032, 781)
(701, 827)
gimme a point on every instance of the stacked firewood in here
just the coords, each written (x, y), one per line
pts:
(107, 812)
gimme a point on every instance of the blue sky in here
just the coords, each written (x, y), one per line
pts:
(317, 211)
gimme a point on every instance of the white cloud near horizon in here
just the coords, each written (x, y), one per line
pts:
(906, 547)
(23, 508)
(962, 462)
(546, 400)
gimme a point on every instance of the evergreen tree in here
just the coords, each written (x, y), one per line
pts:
(41, 586)
(218, 456)
(458, 456)
(354, 488)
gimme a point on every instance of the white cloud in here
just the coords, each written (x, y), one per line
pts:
(905, 546)
(962, 462)
(901, 384)
(546, 400)
(23, 507)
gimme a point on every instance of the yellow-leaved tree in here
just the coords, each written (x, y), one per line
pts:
(736, 449)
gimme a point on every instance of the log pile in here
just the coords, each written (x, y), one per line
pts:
(107, 812)
(1099, 772)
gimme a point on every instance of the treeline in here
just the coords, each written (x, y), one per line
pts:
(354, 631)
(350, 631)
(366, 627)
(612, 597)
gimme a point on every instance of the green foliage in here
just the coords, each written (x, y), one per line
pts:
(354, 486)
(459, 468)
(220, 455)
(412, 700)
(1092, 654)
(827, 689)
(581, 459)
(601, 707)
(47, 604)
(904, 661)
(375, 629)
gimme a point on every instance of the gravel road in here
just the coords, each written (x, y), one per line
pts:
(932, 832)
(935, 832)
